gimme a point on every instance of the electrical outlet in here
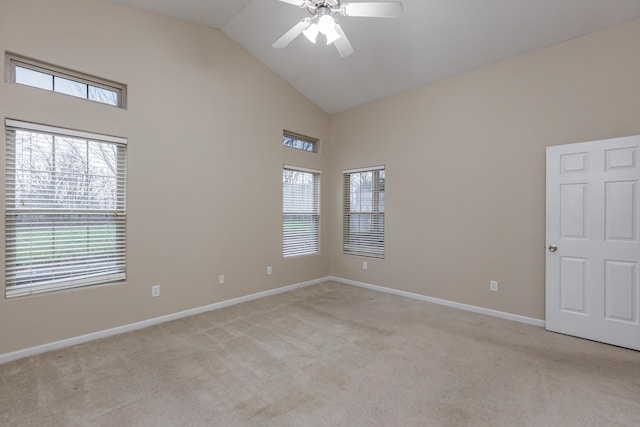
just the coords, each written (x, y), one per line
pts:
(155, 291)
(269, 270)
(221, 279)
(365, 265)
(493, 285)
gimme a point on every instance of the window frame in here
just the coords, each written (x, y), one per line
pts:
(313, 142)
(301, 247)
(12, 61)
(19, 279)
(371, 243)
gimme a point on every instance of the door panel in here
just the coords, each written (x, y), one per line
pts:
(620, 215)
(621, 158)
(621, 288)
(573, 211)
(575, 162)
(593, 209)
(573, 285)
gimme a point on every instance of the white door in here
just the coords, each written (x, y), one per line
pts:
(593, 246)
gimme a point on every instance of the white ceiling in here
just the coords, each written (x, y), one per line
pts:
(432, 40)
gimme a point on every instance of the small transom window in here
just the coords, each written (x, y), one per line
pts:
(36, 74)
(301, 142)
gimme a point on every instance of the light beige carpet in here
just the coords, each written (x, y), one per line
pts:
(328, 355)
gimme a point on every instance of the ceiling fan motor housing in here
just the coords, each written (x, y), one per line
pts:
(329, 7)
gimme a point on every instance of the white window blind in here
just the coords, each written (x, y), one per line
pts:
(65, 211)
(363, 213)
(300, 212)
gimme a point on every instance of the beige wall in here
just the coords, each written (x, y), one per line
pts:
(204, 124)
(465, 167)
(464, 159)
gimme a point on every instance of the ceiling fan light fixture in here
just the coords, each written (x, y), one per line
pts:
(311, 33)
(332, 36)
(326, 24)
(321, 20)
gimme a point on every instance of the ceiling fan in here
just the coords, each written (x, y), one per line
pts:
(322, 20)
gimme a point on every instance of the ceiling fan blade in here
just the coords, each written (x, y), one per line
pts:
(301, 3)
(294, 32)
(383, 9)
(342, 44)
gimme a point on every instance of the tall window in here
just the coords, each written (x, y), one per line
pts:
(363, 221)
(300, 212)
(65, 215)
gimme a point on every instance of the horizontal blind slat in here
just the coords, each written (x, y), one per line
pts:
(300, 212)
(363, 212)
(65, 208)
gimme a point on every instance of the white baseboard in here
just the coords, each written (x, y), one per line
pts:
(9, 357)
(453, 304)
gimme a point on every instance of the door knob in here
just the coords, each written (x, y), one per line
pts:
(553, 248)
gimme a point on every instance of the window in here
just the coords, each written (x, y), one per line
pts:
(300, 212)
(65, 211)
(301, 142)
(29, 72)
(363, 222)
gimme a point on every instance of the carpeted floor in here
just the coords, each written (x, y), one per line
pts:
(327, 355)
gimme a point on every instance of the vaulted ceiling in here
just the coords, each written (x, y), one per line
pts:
(432, 40)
